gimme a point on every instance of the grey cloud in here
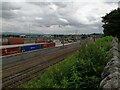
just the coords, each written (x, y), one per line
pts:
(8, 10)
(49, 21)
(43, 4)
(9, 6)
(111, 1)
(50, 18)
(8, 15)
(60, 4)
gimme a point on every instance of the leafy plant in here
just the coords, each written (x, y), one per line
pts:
(80, 70)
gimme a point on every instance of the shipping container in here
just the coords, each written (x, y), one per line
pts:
(52, 44)
(13, 41)
(0, 52)
(3, 43)
(40, 41)
(43, 45)
(47, 45)
(30, 47)
(12, 50)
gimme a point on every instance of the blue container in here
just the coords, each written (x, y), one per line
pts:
(31, 47)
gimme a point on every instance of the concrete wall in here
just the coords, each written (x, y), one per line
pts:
(111, 72)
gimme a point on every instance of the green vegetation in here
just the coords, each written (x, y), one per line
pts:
(81, 70)
(112, 23)
(84, 36)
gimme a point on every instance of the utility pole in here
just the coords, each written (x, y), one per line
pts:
(29, 33)
(63, 40)
(62, 37)
(76, 34)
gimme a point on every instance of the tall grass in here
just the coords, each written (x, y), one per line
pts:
(80, 70)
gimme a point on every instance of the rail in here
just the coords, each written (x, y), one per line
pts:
(17, 73)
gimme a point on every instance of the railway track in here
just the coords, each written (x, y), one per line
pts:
(26, 71)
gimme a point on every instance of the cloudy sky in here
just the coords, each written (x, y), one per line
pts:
(48, 17)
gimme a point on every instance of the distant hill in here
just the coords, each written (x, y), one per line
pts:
(15, 33)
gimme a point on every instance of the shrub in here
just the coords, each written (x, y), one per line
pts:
(80, 70)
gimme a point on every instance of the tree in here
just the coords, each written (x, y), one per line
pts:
(112, 23)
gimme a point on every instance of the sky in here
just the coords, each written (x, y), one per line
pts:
(54, 16)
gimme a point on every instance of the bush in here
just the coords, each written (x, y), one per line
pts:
(81, 70)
